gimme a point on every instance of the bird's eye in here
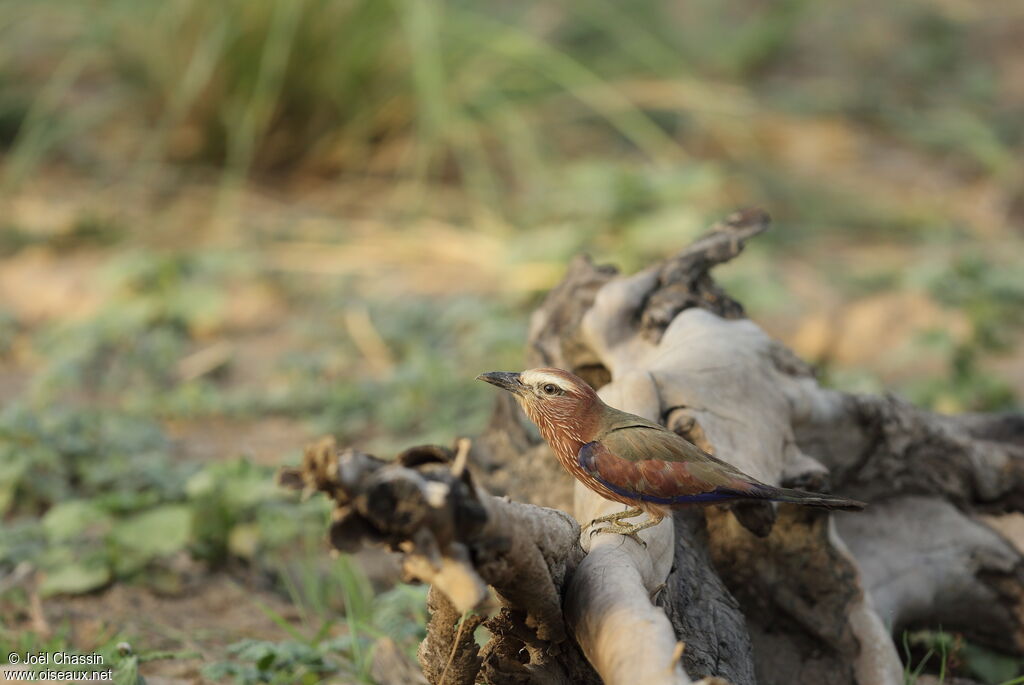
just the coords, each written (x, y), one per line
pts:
(550, 389)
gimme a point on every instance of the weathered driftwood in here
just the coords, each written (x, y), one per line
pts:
(749, 594)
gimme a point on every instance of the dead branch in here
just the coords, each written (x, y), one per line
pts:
(459, 538)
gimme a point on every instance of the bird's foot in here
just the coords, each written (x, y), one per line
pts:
(615, 518)
(630, 530)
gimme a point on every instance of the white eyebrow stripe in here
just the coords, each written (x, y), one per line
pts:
(537, 377)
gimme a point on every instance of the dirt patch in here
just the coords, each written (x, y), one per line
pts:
(214, 613)
(265, 441)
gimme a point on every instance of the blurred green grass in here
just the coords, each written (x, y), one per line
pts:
(348, 209)
(496, 98)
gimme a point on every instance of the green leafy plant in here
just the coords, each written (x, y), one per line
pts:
(990, 296)
(947, 654)
(116, 509)
(333, 640)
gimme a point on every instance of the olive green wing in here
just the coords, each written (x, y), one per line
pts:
(650, 442)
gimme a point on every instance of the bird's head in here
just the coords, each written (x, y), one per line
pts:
(554, 399)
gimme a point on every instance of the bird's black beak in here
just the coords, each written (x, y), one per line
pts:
(505, 380)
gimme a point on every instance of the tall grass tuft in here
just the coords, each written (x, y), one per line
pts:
(409, 89)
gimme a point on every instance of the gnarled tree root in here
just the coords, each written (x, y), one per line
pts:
(754, 593)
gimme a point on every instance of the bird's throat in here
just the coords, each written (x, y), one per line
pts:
(564, 443)
(561, 433)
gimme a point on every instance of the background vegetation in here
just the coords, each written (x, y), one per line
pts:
(229, 227)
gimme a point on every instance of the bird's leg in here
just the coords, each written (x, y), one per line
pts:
(615, 518)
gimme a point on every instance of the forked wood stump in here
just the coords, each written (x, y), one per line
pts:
(761, 593)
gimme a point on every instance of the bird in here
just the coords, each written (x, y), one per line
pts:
(626, 458)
